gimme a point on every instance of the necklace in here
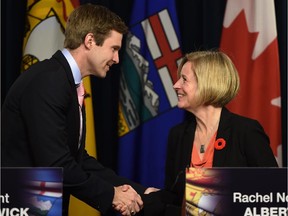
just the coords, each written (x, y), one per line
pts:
(208, 138)
(202, 144)
(202, 149)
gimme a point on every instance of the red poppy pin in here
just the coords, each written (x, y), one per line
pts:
(220, 144)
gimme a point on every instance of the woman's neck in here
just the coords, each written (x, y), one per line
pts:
(207, 118)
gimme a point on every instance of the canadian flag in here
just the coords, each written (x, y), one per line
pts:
(249, 37)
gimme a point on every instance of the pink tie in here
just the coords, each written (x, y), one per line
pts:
(81, 93)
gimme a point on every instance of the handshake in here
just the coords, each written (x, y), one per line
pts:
(127, 201)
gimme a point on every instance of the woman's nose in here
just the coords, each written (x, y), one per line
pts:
(177, 84)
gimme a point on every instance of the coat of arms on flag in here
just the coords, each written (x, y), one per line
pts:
(139, 101)
(148, 102)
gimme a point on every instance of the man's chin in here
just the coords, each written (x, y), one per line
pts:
(101, 75)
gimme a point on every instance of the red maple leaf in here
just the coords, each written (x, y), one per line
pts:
(259, 78)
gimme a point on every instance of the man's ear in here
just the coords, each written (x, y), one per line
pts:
(89, 40)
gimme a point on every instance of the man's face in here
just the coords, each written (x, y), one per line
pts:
(102, 57)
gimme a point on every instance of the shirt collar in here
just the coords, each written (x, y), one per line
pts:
(73, 65)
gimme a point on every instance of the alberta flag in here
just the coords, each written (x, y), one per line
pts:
(32, 191)
(43, 187)
(148, 102)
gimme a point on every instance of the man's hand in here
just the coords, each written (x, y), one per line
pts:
(126, 200)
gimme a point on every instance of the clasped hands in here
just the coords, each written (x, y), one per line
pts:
(127, 201)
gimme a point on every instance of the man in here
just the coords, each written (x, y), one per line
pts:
(43, 126)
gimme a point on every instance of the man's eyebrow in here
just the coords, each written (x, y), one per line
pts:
(117, 47)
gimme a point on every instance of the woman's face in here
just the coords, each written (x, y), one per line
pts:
(186, 88)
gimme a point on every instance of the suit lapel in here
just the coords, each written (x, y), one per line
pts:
(82, 141)
(62, 60)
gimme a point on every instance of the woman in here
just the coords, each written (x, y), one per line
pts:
(212, 136)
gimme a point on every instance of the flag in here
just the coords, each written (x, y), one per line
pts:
(43, 191)
(46, 21)
(33, 191)
(206, 192)
(147, 100)
(249, 37)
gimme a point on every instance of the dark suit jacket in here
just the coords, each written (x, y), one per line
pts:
(40, 128)
(247, 145)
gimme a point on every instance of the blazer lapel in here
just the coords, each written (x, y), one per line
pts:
(224, 131)
(188, 141)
